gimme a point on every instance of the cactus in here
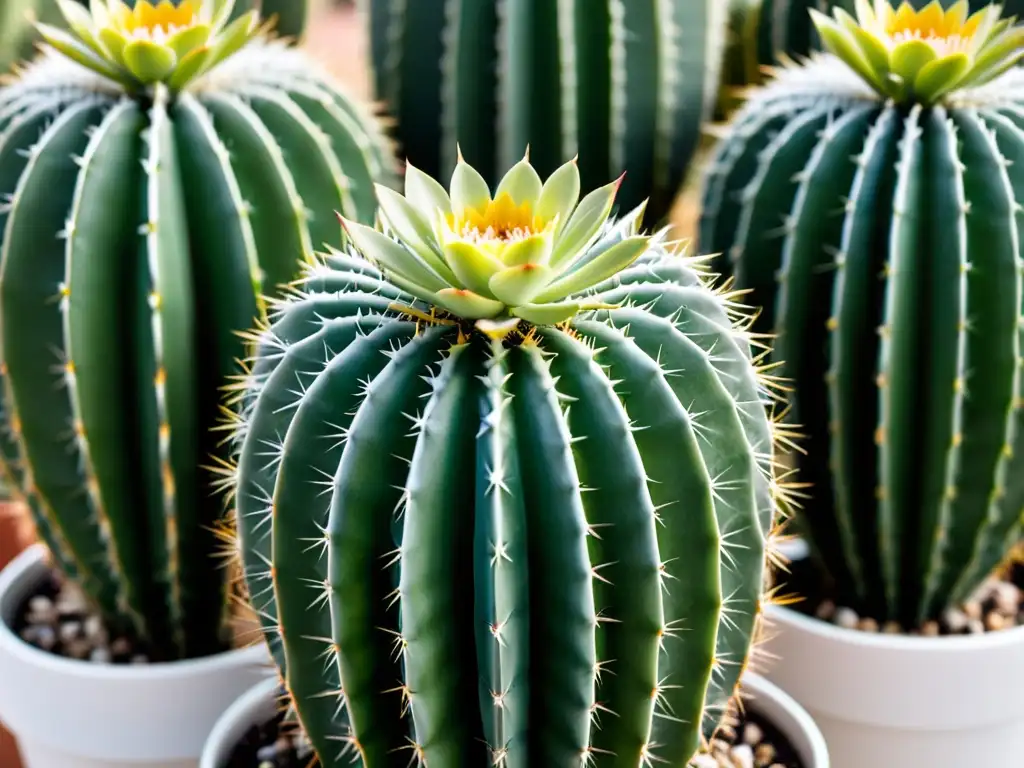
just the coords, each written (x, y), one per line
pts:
(142, 222)
(17, 35)
(624, 84)
(505, 483)
(871, 200)
(291, 15)
(762, 31)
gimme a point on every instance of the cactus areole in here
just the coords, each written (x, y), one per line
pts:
(871, 200)
(160, 173)
(505, 485)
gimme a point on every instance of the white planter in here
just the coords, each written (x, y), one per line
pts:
(260, 704)
(73, 714)
(904, 702)
(256, 706)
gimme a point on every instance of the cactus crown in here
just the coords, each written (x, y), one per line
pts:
(170, 43)
(922, 56)
(497, 259)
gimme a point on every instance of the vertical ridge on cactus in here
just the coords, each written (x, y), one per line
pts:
(141, 226)
(877, 219)
(623, 84)
(505, 484)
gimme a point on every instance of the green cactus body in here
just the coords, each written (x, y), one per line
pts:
(501, 541)
(17, 36)
(626, 85)
(763, 31)
(291, 16)
(139, 234)
(882, 237)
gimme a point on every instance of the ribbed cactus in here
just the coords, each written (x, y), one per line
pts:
(476, 539)
(876, 215)
(626, 84)
(141, 223)
(763, 30)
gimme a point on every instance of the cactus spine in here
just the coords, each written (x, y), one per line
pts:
(881, 233)
(476, 539)
(138, 233)
(621, 83)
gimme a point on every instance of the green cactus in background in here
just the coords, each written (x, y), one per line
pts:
(17, 35)
(142, 222)
(625, 84)
(291, 15)
(872, 202)
(505, 485)
(762, 31)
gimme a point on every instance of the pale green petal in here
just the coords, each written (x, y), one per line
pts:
(535, 249)
(467, 304)
(521, 183)
(468, 189)
(192, 63)
(425, 194)
(472, 266)
(113, 43)
(940, 76)
(873, 50)
(391, 256)
(547, 314)
(149, 62)
(186, 40)
(233, 38)
(560, 194)
(586, 222)
(520, 285)
(412, 229)
(74, 49)
(612, 261)
(909, 58)
(840, 43)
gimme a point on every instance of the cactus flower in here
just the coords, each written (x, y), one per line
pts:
(167, 42)
(517, 255)
(920, 56)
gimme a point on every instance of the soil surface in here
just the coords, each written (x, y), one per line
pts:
(747, 741)
(998, 604)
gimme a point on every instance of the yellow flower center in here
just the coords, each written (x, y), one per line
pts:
(500, 220)
(946, 31)
(156, 23)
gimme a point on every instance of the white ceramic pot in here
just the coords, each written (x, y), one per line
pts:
(889, 701)
(260, 704)
(73, 714)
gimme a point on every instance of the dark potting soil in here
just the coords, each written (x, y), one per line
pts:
(57, 618)
(272, 745)
(747, 741)
(998, 604)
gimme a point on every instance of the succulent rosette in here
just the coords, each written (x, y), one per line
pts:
(519, 254)
(920, 56)
(167, 42)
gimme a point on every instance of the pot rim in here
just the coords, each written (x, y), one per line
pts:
(988, 641)
(242, 708)
(28, 568)
(757, 690)
(765, 690)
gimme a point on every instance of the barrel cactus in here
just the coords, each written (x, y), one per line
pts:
(871, 200)
(504, 485)
(155, 188)
(625, 84)
(762, 31)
